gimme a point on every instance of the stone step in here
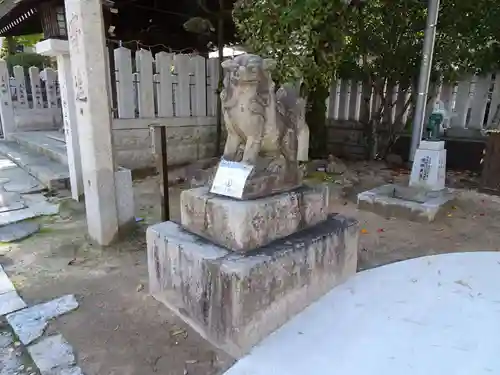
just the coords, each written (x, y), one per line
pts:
(48, 143)
(52, 174)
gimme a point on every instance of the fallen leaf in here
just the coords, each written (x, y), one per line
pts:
(463, 283)
(449, 215)
(177, 332)
(364, 231)
(481, 214)
(380, 230)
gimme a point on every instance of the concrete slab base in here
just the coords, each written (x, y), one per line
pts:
(411, 203)
(235, 300)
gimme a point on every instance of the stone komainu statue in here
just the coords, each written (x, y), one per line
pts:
(266, 129)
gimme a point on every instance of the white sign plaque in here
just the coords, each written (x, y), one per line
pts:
(231, 178)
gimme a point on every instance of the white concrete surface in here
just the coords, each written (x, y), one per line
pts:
(427, 316)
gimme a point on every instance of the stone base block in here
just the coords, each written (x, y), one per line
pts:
(415, 204)
(246, 225)
(125, 198)
(236, 300)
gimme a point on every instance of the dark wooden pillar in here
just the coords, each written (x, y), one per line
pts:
(490, 178)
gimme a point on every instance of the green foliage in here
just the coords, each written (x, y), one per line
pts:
(378, 42)
(11, 42)
(29, 59)
(384, 48)
(29, 40)
(304, 36)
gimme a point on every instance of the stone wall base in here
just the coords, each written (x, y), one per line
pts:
(235, 300)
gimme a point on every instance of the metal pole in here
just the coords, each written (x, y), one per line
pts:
(165, 204)
(425, 74)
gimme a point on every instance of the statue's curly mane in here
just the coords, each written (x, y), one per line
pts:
(263, 83)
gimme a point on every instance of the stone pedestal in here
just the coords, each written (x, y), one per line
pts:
(236, 300)
(247, 225)
(429, 166)
(245, 260)
(410, 203)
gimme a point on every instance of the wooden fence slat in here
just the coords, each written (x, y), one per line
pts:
(124, 83)
(51, 87)
(164, 64)
(21, 92)
(402, 97)
(213, 82)
(156, 93)
(393, 102)
(447, 96)
(355, 100)
(461, 104)
(479, 101)
(36, 87)
(6, 107)
(345, 99)
(144, 62)
(495, 99)
(367, 92)
(200, 76)
(182, 93)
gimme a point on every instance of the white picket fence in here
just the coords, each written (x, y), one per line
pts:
(33, 89)
(28, 102)
(470, 103)
(166, 85)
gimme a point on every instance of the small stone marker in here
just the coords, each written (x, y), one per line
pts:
(231, 178)
(429, 166)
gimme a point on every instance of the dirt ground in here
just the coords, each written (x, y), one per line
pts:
(120, 330)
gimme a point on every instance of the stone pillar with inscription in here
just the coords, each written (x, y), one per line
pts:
(429, 166)
(256, 245)
(60, 50)
(109, 204)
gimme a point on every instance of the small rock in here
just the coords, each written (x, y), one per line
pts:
(335, 165)
(317, 166)
(140, 287)
(394, 160)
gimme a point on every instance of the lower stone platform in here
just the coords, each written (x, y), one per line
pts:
(411, 203)
(235, 300)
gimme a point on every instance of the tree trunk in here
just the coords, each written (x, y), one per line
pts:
(10, 41)
(316, 119)
(490, 179)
